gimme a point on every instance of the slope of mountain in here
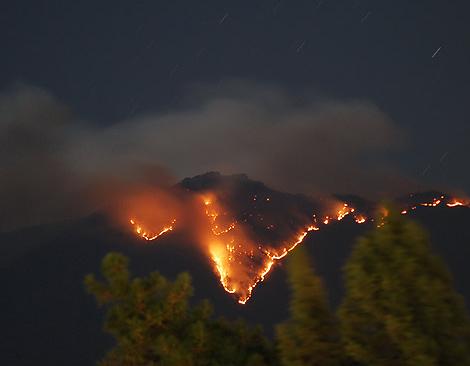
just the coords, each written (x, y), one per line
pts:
(48, 318)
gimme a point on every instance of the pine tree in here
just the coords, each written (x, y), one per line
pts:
(400, 306)
(153, 323)
(310, 336)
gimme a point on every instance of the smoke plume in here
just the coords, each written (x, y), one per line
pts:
(54, 165)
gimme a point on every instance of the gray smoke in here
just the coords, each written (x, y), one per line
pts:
(52, 164)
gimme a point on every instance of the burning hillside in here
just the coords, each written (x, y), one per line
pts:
(244, 227)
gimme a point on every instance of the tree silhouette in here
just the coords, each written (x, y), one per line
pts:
(153, 323)
(310, 336)
(400, 307)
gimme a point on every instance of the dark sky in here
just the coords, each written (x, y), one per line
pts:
(110, 61)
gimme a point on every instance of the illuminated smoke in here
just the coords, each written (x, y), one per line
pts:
(52, 161)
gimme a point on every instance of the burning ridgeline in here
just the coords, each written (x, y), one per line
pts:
(244, 228)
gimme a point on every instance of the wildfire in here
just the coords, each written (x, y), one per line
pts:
(360, 219)
(229, 249)
(221, 269)
(435, 202)
(148, 235)
(212, 213)
(287, 249)
(344, 211)
(455, 203)
(242, 300)
(241, 262)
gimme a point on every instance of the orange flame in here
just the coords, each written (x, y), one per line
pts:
(360, 219)
(148, 235)
(344, 211)
(435, 202)
(239, 262)
(455, 203)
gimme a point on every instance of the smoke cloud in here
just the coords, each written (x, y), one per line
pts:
(54, 166)
(35, 182)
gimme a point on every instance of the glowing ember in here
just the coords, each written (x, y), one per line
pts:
(435, 202)
(360, 219)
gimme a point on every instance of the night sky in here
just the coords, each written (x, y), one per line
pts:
(110, 63)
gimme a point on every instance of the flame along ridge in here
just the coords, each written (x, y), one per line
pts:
(148, 235)
(225, 251)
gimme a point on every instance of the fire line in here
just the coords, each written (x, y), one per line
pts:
(240, 263)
